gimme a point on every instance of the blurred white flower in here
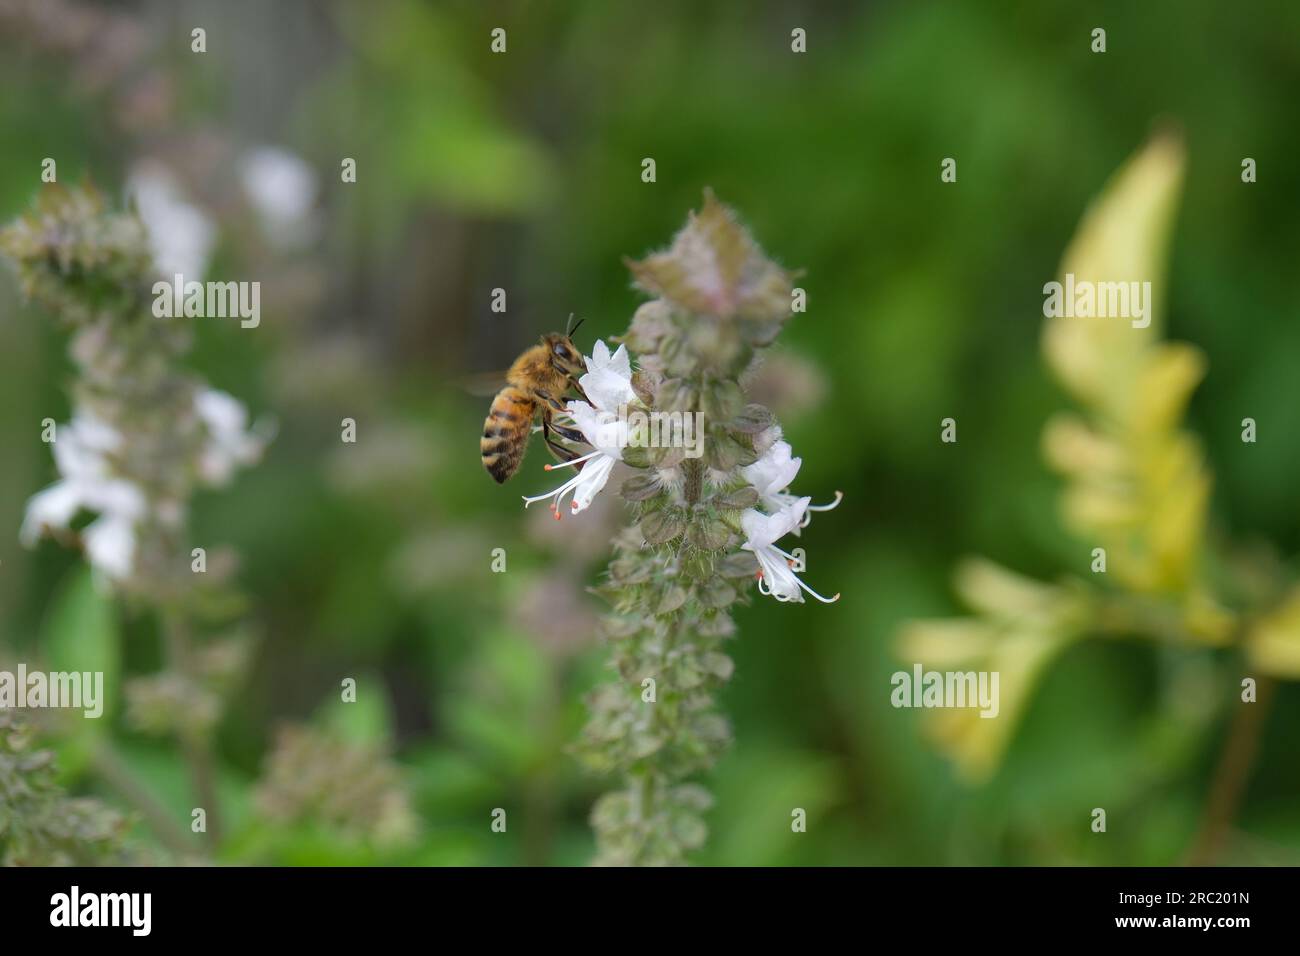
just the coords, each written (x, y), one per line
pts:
(229, 443)
(54, 507)
(81, 450)
(771, 476)
(282, 190)
(110, 545)
(180, 234)
(761, 534)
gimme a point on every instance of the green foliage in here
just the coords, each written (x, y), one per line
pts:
(81, 635)
(40, 825)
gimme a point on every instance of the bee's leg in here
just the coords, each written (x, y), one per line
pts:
(581, 394)
(548, 424)
(569, 434)
(562, 454)
(554, 403)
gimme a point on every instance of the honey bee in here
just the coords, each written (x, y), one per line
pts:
(536, 381)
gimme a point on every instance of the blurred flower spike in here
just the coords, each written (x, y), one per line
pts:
(143, 433)
(1137, 483)
(1137, 488)
(1019, 627)
(313, 777)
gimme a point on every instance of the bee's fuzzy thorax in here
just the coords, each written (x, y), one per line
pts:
(537, 381)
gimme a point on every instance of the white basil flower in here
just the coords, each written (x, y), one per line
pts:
(229, 443)
(181, 236)
(761, 534)
(607, 434)
(771, 477)
(608, 382)
(282, 188)
(87, 482)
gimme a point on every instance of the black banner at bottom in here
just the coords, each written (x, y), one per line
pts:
(332, 906)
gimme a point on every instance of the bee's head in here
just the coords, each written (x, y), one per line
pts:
(564, 354)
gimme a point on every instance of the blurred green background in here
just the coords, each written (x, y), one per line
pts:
(522, 171)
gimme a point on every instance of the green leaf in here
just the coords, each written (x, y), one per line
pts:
(660, 527)
(724, 452)
(742, 564)
(719, 665)
(640, 487)
(636, 457)
(717, 594)
(676, 395)
(80, 634)
(368, 720)
(737, 499)
(753, 419)
(81, 631)
(708, 534)
(722, 400)
(671, 600)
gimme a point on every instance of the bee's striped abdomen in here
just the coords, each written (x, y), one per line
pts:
(506, 431)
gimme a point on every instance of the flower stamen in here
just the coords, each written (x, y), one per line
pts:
(776, 576)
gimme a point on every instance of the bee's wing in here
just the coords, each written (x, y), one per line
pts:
(483, 384)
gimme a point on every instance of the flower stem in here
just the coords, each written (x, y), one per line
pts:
(108, 764)
(1232, 775)
(694, 475)
(196, 747)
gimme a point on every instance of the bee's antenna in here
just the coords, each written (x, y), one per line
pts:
(568, 332)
